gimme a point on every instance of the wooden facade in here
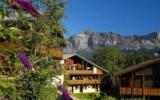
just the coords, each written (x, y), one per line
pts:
(141, 80)
(82, 74)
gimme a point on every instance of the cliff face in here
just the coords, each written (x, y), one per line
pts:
(93, 40)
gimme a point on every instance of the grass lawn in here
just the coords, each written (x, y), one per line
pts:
(96, 96)
(90, 96)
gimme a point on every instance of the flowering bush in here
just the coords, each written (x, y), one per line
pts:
(25, 18)
(24, 5)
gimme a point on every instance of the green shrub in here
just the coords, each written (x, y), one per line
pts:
(48, 93)
(8, 89)
(91, 96)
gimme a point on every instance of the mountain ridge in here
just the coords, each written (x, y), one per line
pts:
(93, 40)
(86, 42)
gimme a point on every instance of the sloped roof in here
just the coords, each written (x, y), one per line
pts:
(66, 56)
(138, 67)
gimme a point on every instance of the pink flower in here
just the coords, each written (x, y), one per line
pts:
(25, 5)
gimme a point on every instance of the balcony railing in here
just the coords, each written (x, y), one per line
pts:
(78, 82)
(79, 72)
(57, 53)
(140, 91)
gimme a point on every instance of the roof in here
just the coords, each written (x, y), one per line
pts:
(138, 67)
(66, 56)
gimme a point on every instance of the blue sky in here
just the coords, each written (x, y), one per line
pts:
(126, 17)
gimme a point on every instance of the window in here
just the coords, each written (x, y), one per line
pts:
(148, 71)
(139, 73)
(148, 83)
(138, 83)
(125, 82)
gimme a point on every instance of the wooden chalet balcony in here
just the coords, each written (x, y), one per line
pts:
(81, 72)
(140, 91)
(71, 65)
(57, 53)
(74, 65)
(77, 82)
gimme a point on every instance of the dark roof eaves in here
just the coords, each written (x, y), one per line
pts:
(139, 66)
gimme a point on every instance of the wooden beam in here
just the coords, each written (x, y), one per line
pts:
(120, 84)
(82, 62)
(72, 89)
(132, 84)
(143, 83)
(86, 64)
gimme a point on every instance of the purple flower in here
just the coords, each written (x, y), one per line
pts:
(65, 93)
(26, 6)
(22, 56)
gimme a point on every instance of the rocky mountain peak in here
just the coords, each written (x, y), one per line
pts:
(93, 40)
(153, 35)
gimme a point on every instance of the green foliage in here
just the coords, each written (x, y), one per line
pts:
(8, 89)
(97, 96)
(91, 96)
(85, 96)
(114, 60)
(1, 12)
(136, 59)
(8, 33)
(48, 93)
(31, 32)
(30, 84)
(107, 98)
(109, 85)
(109, 58)
(59, 71)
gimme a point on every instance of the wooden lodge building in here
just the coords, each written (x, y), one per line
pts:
(141, 80)
(82, 75)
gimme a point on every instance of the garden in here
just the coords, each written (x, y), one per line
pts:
(30, 31)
